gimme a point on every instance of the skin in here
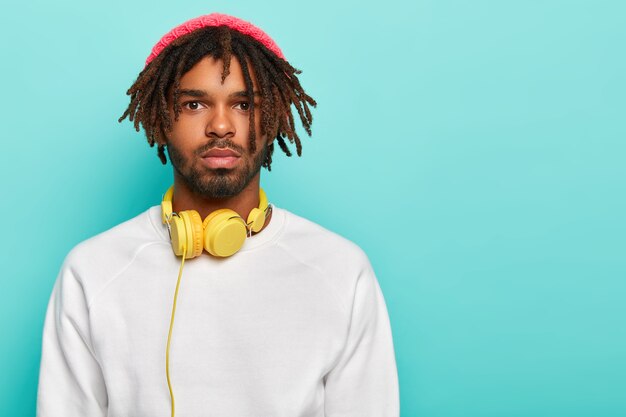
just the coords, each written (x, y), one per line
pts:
(217, 119)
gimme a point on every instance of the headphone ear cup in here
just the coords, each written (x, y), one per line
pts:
(178, 235)
(256, 219)
(193, 235)
(224, 232)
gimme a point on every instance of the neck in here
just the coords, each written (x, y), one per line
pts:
(184, 198)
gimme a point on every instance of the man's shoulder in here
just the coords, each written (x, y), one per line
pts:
(308, 239)
(116, 246)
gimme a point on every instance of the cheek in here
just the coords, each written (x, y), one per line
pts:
(186, 132)
(188, 125)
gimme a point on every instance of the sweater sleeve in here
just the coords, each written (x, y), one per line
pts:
(364, 381)
(71, 383)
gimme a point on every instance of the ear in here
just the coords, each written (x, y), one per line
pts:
(272, 134)
(163, 138)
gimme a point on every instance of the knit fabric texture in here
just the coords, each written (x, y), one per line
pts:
(215, 19)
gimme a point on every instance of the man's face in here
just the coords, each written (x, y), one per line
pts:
(209, 143)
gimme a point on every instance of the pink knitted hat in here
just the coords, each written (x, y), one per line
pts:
(215, 19)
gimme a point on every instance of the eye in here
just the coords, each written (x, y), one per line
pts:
(192, 105)
(244, 105)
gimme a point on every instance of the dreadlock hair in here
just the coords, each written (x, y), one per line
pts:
(279, 87)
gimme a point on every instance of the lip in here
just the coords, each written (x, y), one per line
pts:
(220, 158)
(220, 153)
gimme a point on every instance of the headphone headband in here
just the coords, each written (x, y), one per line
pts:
(167, 210)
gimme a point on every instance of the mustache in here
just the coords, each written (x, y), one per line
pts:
(220, 143)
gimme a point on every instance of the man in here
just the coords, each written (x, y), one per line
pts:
(275, 316)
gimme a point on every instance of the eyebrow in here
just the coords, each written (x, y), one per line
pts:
(201, 93)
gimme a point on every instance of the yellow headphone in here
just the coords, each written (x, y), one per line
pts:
(222, 232)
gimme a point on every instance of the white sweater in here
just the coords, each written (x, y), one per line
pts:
(293, 325)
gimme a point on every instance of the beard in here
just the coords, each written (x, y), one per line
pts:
(220, 182)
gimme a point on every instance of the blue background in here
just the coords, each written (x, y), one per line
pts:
(474, 149)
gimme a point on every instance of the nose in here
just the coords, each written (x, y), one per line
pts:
(219, 123)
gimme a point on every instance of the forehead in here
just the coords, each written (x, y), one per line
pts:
(206, 74)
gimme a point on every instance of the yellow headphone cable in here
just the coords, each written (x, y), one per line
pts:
(169, 336)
